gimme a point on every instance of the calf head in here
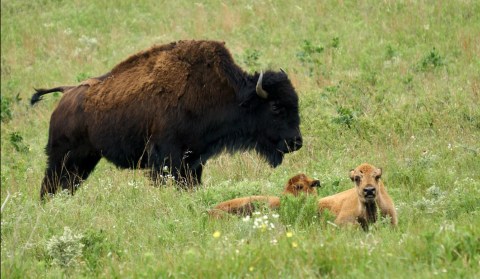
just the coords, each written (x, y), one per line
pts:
(301, 183)
(366, 178)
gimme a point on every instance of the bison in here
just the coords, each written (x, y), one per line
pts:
(169, 108)
(296, 185)
(359, 204)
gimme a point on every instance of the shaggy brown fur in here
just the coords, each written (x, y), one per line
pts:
(173, 106)
(246, 205)
(359, 205)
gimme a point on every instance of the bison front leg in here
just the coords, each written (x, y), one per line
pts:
(67, 172)
(184, 167)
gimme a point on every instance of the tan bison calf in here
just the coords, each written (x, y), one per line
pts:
(246, 205)
(359, 204)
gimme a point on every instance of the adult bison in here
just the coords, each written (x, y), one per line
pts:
(170, 107)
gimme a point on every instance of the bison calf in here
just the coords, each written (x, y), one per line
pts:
(246, 205)
(172, 107)
(359, 204)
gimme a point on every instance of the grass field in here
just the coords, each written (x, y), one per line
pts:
(392, 83)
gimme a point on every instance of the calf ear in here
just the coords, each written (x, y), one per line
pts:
(352, 175)
(379, 173)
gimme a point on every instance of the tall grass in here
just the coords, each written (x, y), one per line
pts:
(393, 83)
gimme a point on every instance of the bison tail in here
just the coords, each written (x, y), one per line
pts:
(40, 92)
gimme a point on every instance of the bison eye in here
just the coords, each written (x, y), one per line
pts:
(276, 108)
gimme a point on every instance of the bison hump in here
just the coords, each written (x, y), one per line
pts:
(166, 71)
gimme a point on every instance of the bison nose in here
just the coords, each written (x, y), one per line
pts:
(295, 143)
(316, 183)
(369, 192)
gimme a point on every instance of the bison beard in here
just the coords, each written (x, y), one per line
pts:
(173, 106)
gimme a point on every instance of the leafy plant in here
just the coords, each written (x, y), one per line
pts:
(96, 247)
(345, 117)
(65, 250)
(390, 52)
(17, 142)
(6, 113)
(250, 59)
(82, 76)
(335, 42)
(431, 60)
(309, 55)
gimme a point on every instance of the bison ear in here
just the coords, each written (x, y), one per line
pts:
(379, 173)
(352, 175)
(249, 102)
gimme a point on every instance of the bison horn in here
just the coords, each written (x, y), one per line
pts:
(260, 91)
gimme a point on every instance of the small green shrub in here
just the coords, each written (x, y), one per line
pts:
(82, 76)
(390, 53)
(431, 61)
(96, 247)
(17, 142)
(309, 55)
(6, 113)
(345, 117)
(335, 42)
(65, 250)
(250, 59)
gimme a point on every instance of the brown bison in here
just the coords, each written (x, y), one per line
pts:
(359, 204)
(169, 109)
(246, 206)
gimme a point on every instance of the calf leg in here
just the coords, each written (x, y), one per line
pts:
(387, 208)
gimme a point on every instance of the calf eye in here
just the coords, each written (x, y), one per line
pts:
(357, 179)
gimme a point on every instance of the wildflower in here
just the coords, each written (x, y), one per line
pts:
(251, 268)
(275, 215)
(289, 234)
(273, 241)
(263, 227)
(216, 234)
(246, 218)
(294, 244)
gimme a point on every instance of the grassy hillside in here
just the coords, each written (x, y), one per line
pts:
(393, 83)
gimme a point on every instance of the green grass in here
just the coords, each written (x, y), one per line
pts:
(392, 83)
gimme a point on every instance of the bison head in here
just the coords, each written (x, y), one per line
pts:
(366, 178)
(273, 103)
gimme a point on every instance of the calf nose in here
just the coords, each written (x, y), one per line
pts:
(369, 191)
